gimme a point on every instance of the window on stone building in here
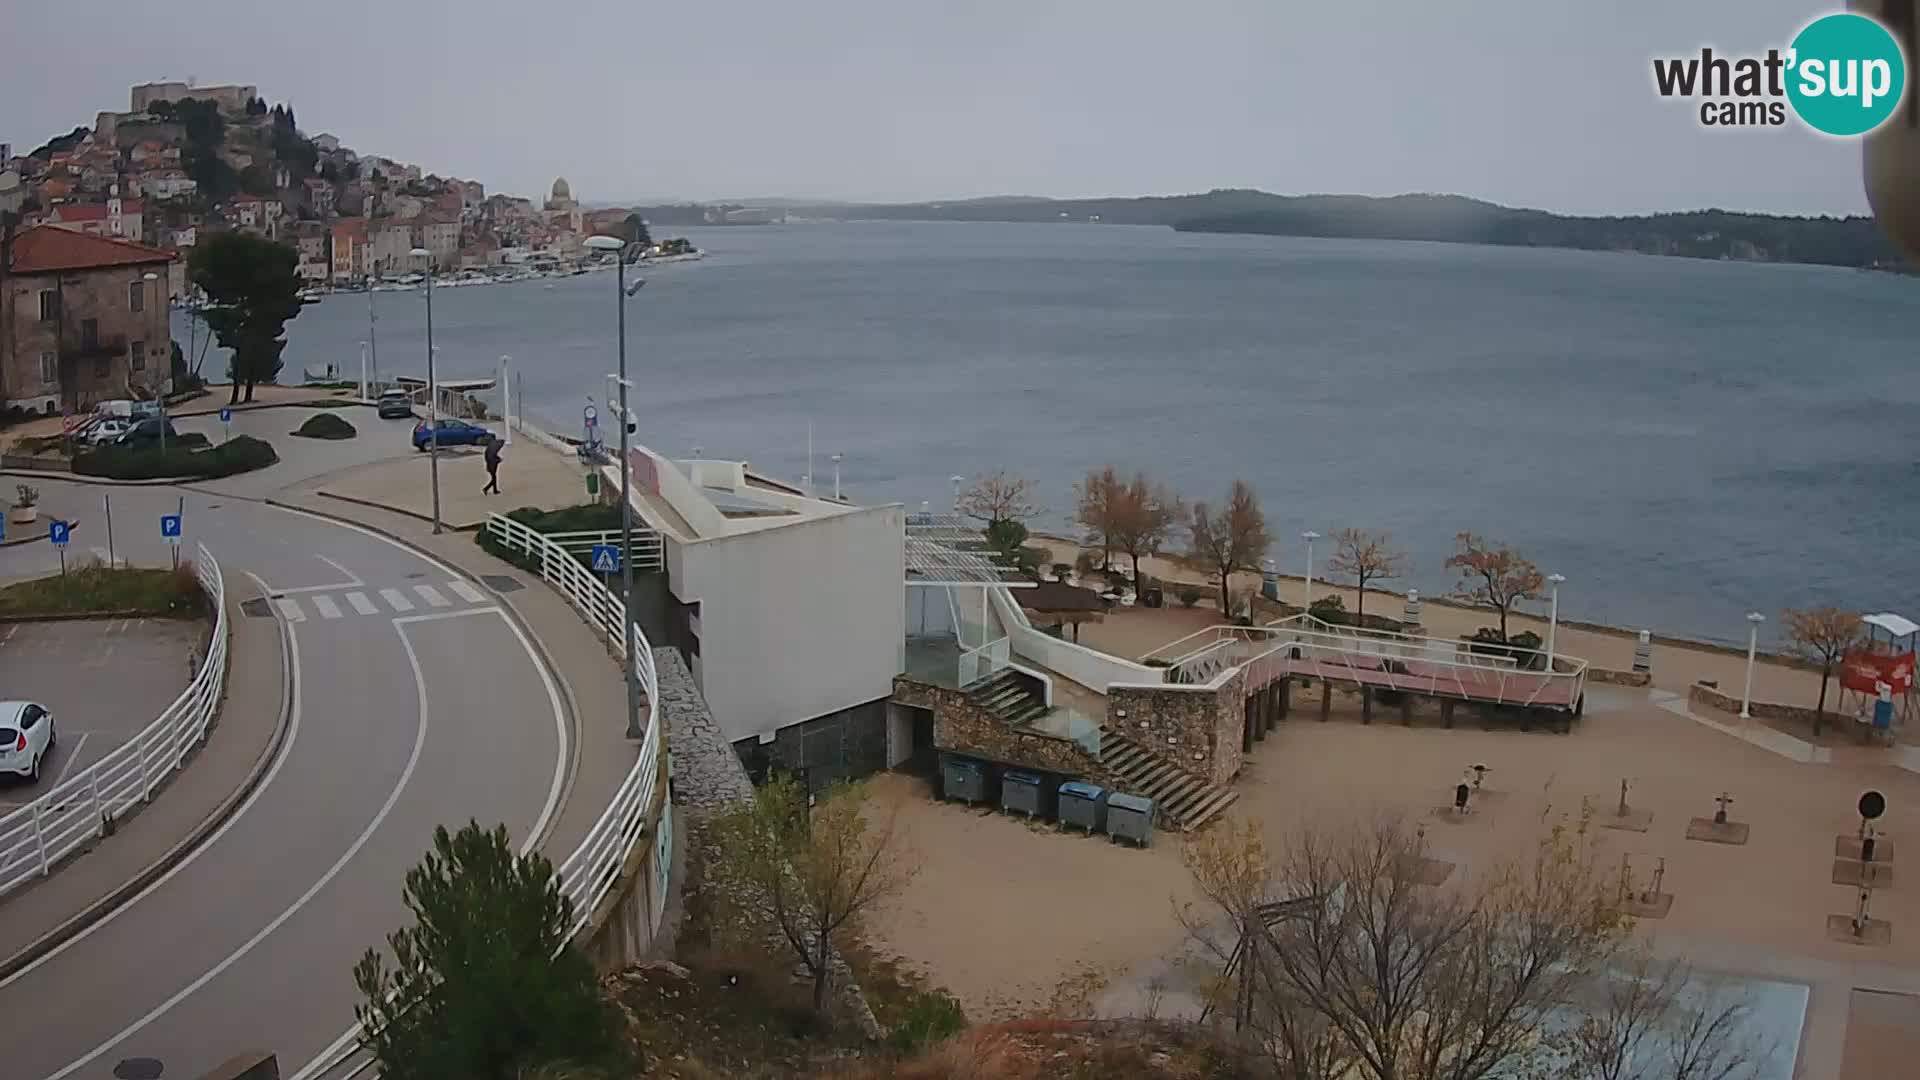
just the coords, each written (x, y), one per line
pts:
(49, 305)
(137, 356)
(137, 296)
(49, 368)
(89, 333)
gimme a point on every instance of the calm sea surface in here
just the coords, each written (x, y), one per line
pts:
(1684, 440)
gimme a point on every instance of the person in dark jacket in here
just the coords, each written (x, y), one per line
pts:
(493, 467)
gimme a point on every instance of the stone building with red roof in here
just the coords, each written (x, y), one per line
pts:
(83, 318)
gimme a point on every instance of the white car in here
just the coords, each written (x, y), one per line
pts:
(107, 429)
(26, 738)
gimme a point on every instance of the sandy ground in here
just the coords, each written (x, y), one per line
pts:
(1005, 913)
(1135, 632)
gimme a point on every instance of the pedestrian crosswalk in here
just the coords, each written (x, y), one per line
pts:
(325, 605)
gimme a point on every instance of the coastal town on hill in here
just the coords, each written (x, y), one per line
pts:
(184, 162)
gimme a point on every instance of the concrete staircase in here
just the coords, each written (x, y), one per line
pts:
(1008, 697)
(1184, 800)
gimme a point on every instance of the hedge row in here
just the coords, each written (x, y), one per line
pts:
(242, 453)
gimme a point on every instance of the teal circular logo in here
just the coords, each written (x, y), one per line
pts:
(1846, 74)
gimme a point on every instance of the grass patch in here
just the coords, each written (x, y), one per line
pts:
(182, 459)
(98, 589)
(325, 426)
(586, 517)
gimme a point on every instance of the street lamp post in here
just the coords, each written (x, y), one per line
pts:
(506, 396)
(1306, 587)
(956, 481)
(1553, 616)
(1754, 619)
(620, 296)
(166, 381)
(433, 394)
(366, 388)
(836, 475)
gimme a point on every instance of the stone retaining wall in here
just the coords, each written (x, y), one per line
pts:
(708, 779)
(1196, 727)
(1712, 697)
(1619, 678)
(963, 727)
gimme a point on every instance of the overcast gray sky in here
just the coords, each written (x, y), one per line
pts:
(1545, 103)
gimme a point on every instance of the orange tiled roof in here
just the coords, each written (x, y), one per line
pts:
(46, 249)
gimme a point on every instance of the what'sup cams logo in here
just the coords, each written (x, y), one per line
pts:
(1844, 74)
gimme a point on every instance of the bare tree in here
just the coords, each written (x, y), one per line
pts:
(1094, 511)
(1494, 577)
(1823, 635)
(1364, 557)
(1657, 1019)
(997, 497)
(1367, 972)
(807, 876)
(1142, 515)
(1235, 538)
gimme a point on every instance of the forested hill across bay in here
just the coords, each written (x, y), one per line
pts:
(1702, 234)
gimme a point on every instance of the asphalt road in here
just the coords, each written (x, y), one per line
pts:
(408, 714)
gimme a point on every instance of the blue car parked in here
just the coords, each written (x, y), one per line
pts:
(452, 433)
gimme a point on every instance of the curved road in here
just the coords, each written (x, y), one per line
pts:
(417, 703)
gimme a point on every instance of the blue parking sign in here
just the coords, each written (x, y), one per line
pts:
(226, 415)
(606, 559)
(170, 527)
(58, 532)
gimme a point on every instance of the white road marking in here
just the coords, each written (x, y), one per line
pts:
(348, 574)
(432, 596)
(393, 797)
(328, 609)
(467, 592)
(396, 599)
(73, 755)
(286, 750)
(361, 604)
(337, 1051)
(290, 608)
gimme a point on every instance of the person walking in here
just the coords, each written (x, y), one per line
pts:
(493, 467)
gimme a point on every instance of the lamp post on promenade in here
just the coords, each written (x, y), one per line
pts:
(621, 294)
(1553, 615)
(433, 393)
(1754, 619)
(1306, 587)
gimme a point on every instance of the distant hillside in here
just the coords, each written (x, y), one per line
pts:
(1701, 234)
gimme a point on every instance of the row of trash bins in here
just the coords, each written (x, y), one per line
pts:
(1076, 803)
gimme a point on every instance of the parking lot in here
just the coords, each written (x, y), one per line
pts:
(104, 680)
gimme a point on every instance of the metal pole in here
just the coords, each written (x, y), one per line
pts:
(506, 395)
(364, 387)
(634, 731)
(1553, 618)
(106, 501)
(373, 343)
(1753, 646)
(433, 407)
(1306, 587)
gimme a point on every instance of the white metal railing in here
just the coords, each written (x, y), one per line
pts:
(648, 553)
(80, 808)
(589, 873)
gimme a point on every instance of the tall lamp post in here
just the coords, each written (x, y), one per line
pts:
(506, 396)
(1306, 587)
(1754, 619)
(620, 296)
(433, 393)
(166, 381)
(1553, 615)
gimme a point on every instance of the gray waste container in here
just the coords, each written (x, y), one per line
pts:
(1130, 817)
(964, 778)
(1022, 791)
(1083, 805)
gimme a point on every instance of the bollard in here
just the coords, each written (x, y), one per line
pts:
(1643, 653)
(1411, 614)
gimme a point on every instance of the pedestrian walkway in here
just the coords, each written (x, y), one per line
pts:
(366, 600)
(531, 474)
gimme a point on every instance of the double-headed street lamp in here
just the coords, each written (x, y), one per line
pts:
(433, 393)
(621, 294)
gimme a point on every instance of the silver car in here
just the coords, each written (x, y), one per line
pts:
(395, 405)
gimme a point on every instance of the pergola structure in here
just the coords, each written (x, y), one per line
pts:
(947, 557)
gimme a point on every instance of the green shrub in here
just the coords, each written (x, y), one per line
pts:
(180, 460)
(1329, 609)
(1189, 595)
(326, 426)
(931, 1016)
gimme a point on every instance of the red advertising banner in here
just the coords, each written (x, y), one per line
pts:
(1864, 672)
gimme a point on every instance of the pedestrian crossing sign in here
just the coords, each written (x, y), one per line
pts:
(606, 558)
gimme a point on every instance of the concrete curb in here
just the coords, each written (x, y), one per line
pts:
(567, 698)
(111, 902)
(103, 481)
(371, 505)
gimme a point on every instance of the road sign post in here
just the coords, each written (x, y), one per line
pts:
(226, 424)
(59, 533)
(170, 532)
(606, 562)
